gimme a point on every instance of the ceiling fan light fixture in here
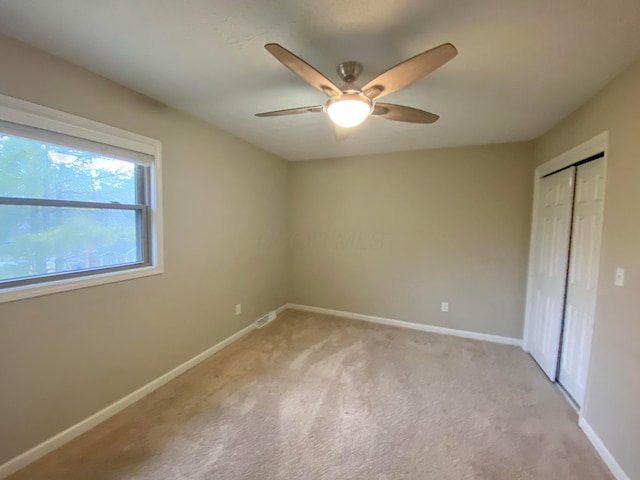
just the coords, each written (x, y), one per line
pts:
(351, 104)
(350, 110)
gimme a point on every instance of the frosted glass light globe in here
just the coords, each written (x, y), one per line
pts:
(349, 110)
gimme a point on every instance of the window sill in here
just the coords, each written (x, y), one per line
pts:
(59, 286)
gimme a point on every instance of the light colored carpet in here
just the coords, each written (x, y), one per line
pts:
(317, 397)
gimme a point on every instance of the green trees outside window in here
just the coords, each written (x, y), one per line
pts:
(63, 210)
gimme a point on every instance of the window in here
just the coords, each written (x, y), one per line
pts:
(74, 211)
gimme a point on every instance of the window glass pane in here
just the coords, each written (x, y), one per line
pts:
(47, 240)
(34, 169)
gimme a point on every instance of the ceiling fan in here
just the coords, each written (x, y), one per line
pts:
(350, 105)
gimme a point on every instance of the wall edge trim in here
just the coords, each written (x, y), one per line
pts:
(602, 450)
(410, 325)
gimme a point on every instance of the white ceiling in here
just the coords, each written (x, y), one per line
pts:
(523, 64)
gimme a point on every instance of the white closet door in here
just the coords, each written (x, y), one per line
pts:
(551, 243)
(583, 278)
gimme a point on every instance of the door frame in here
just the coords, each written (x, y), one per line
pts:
(593, 146)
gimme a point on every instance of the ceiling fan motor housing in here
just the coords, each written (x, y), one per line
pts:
(349, 71)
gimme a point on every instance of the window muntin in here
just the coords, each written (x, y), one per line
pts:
(67, 209)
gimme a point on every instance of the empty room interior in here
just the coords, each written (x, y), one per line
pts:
(319, 240)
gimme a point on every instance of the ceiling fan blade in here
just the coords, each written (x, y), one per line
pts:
(301, 68)
(291, 111)
(400, 113)
(409, 71)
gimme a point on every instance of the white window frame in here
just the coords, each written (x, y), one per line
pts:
(38, 116)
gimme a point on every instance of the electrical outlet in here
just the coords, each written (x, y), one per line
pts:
(444, 307)
(238, 309)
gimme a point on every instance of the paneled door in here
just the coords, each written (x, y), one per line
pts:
(582, 283)
(551, 244)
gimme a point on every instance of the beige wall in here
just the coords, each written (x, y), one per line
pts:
(65, 356)
(394, 235)
(613, 391)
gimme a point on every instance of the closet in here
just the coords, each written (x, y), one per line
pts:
(567, 231)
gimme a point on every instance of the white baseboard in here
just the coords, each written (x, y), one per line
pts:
(608, 459)
(281, 309)
(413, 326)
(79, 428)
